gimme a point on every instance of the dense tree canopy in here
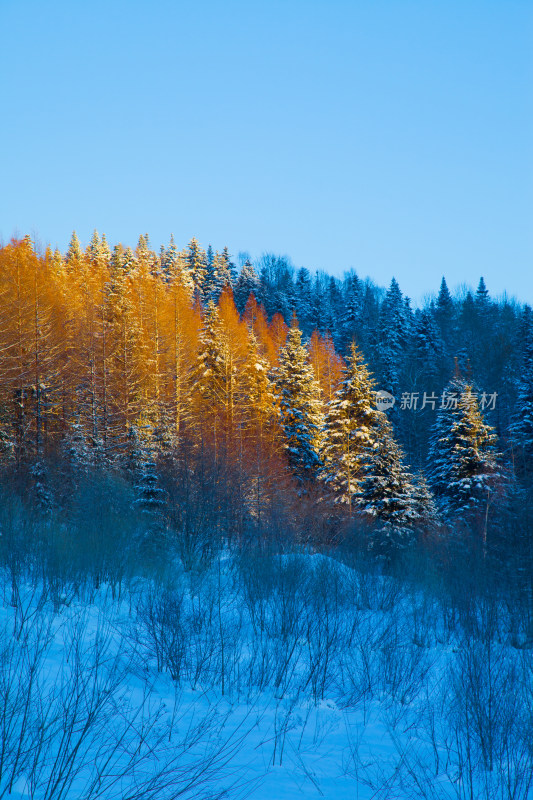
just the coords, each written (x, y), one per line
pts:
(111, 356)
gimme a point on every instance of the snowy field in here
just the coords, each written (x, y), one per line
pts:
(263, 676)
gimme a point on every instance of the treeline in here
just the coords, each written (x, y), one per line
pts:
(250, 385)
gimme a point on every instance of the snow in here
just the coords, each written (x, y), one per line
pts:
(350, 727)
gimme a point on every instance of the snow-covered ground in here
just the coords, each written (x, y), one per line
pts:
(270, 677)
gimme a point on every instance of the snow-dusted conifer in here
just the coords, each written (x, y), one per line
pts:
(246, 284)
(444, 309)
(521, 428)
(227, 269)
(303, 297)
(300, 407)
(217, 274)
(211, 370)
(482, 299)
(394, 319)
(196, 265)
(140, 463)
(388, 492)
(427, 345)
(105, 250)
(210, 276)
(353, 298)
(363, 464)
(177, 266)
(117, 259)
(462, 460)
(74, 253)
(98, 250)
(170, 258)
(349, 429)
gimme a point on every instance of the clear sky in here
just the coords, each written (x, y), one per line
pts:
(392, 136)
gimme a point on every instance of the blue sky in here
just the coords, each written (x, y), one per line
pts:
(391, 136)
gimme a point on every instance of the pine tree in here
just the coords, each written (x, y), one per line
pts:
(176, 265)
(363, 464)
(482, 298)
(128, 262)
(353, 301)
(300, 408)
(171, 259)
(394, 318)
(428, 346)
(462, 460)
(210, 277)
(74, 254)
(149, 497)
(387, 491)
(468, 329)
(320, 314)
(521, 428)
(444, 309)
(196, 266)
(105, 250)
(335, 300)
(94, 251)
(349, 429)
(247, 283)
(117, 258)
(228, 271)
(370, 318)
(218, 276)
(303, 298)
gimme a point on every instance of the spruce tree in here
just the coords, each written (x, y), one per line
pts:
(228, 271)
(117, 258)
(210, 373)
(170, 257)
(352, 305)
(335, 303)
(105, 250)
(300, 408)
(394, 328)
(246, 284)
(428, 347)
(93, 248)
(521, 428)
(211, 289)
(176, 265)
(196, 266)
(363, 464)
(387, 492)
(482, 298)
(349, 429)
(444, 310)
(74, 253)
(462, 460)
(303, 298)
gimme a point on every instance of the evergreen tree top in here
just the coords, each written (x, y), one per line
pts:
(482, 293)
(74, 253)
(444, 300)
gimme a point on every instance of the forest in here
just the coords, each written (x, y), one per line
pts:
(195, 447)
